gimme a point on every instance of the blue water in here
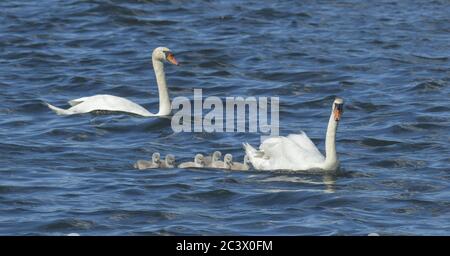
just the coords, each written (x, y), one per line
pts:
(389, 60)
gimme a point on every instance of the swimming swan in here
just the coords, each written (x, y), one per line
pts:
(169, 161)
(210, 161)
(144, 164)
(199, 162)
(118, 104)
(226, 164)
(297, 151)
(235, 166)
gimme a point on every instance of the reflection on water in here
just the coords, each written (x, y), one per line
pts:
(321, 182)
(329, 181)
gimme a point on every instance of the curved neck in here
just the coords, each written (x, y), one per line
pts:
(330, 142)
(164, 101)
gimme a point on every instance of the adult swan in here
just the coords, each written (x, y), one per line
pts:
(296, 151)
(118, 104)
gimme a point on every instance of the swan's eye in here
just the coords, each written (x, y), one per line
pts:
(339, 107)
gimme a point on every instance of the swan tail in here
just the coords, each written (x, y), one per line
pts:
(59, 111)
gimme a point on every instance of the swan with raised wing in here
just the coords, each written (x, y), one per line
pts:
(296, 151)
(110, 103)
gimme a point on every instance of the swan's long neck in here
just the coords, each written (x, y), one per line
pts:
(164, 101)
(331, 159)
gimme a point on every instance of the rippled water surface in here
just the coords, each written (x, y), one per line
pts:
(389, 60)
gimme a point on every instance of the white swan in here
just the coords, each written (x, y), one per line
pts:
(297, 151)
(199, 162)
(117, 104)
(144, 164)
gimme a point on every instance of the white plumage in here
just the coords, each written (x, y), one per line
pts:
(296, 151)
(110, 103)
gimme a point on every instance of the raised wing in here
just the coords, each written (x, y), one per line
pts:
(308, 147)
(295, 152)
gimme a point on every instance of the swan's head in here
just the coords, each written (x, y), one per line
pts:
(156, 157)
(338, 109)
(170, 159)
(246, 159)
(216, 156)
(199, 159)
(164, 54)
(228, 159)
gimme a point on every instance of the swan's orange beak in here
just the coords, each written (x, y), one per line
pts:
(170, 58)
(337, 112)
(337, 115)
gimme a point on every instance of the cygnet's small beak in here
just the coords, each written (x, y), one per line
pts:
(171, 58)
